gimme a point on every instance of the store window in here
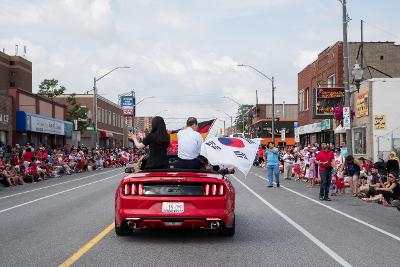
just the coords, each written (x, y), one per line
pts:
(360, 144)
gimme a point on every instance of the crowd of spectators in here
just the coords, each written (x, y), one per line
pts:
(22, 164)
(372, 182)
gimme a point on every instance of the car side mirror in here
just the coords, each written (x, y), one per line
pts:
(129, 170)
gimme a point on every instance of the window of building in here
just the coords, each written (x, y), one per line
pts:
(381, 57)
(122, 121)
(98, 114)
(12, 73)
(12, 62)
(306, 99)
(113, 120)
(331, 80)
(109, 117)
(301, 101)
(12, 84)
(360, 141)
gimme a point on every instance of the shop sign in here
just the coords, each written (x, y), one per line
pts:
(4, 118)
(325, 124)
(310, 128)
(380, 122)
(362, 105)
(89, 128)
(296, 135)
(327, 98)
(43, 125)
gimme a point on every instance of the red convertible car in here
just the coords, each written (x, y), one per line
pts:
(175, 199)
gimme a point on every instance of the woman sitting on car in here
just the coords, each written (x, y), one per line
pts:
(158, 142)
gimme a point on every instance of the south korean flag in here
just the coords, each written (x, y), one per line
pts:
(239, 152)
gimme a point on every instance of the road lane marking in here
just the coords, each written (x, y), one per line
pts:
(85, 248)
(44, 187)
(307, 234)
(337, 211)
(55, 194)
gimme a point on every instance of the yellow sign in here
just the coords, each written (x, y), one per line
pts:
(380, 122)
(362, 105)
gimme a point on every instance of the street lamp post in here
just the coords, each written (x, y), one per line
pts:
(237, 103)
(95, 80)
(272, 79)
(346, 82)
(229, 116)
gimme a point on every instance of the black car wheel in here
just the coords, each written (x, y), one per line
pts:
(122, 230)
(228, 231)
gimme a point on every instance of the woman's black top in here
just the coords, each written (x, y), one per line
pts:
(392, 165)
(158, 153)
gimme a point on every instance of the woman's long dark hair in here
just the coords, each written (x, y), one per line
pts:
(159, 130)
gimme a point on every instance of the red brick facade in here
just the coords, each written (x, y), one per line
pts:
(328, 63)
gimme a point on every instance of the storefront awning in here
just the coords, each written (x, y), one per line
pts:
(105, 134)
(340, 130)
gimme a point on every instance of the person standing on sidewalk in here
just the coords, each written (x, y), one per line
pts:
(272, 158)
(325, 159)
(288, 160)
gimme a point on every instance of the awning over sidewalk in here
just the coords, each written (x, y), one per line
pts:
(340, 130)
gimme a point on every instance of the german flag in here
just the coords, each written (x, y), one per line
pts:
(203, 128)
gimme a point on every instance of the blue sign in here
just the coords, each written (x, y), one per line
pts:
(296, 124)
(127, 101)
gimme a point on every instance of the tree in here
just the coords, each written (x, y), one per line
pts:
(76, 112)
(241, 114)
(50, 89)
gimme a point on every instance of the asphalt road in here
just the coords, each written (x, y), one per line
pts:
(43, 224)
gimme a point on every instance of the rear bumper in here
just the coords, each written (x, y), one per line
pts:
(198, 213)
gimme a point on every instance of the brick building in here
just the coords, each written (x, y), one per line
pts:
(15, 72)
(24, 116)
(110, 120)
(143, 123)
(325, 74)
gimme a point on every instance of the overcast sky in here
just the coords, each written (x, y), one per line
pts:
(184, 52)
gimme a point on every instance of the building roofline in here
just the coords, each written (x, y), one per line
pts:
(91, 96)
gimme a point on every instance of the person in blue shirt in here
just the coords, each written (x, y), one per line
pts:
(272, 158)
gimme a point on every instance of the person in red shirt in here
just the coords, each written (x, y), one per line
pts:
(325, 159)
(260, 156)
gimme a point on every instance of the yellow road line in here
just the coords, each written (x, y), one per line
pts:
(85, 248)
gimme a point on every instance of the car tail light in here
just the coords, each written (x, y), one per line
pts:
(140, 189)
(207, 189)
(214, 190)
(126, 189)
(221, 190)
(133, 189)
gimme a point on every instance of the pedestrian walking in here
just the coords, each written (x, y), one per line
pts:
(272, 158)
(325, 159)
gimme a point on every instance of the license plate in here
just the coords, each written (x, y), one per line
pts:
(173, 207)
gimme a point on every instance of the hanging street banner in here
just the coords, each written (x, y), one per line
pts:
(380, 122)
(362, 105)
(239, 152)
(346, 118)
(127, 103)
(327, 98)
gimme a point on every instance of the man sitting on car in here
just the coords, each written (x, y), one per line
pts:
(189, 147)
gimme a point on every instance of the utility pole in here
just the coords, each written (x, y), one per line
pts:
(349, 138)
(133, 109)
(94, 113)
(273, 109)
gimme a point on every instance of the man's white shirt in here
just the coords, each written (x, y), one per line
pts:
(189, 143)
